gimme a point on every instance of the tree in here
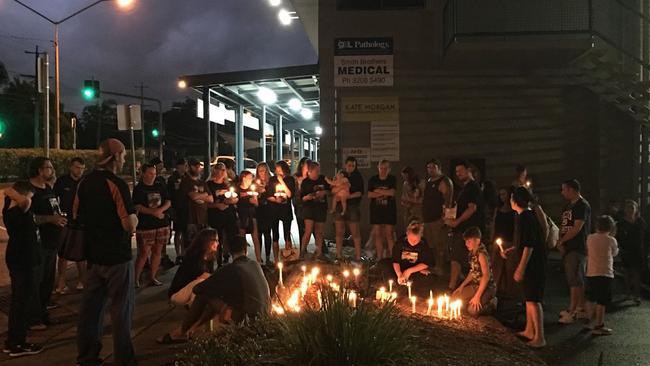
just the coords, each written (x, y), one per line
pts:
(4, 76)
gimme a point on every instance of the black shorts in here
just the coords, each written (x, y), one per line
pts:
(383, 215)
(599, 290)
(316, 214)
(459, 252)
(533, 286)
(246, 220)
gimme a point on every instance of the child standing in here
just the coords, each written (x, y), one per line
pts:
(601, 250)
(340, 191)
(22, 257)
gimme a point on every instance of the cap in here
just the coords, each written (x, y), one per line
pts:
(108, 148)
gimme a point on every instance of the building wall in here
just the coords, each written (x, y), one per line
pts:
(503, 114)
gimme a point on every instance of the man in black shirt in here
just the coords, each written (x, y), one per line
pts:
(178, 205)
(352, 215)
(574, 229)
(22, 256)
(65, 189)
(438, 194)
(196, 196)
(50, 220)
(234, 292)
(469, 213)
(103, 205)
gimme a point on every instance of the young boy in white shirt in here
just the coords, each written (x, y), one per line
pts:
(601, 250)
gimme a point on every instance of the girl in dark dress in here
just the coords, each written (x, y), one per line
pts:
(222, 214)
(531, 270)
(301, 174)
(504, 265)
(246, 205)
(383, 209)
(263, 211)
(630, 235)
(281, 188)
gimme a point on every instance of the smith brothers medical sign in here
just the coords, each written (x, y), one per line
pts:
(360, 62)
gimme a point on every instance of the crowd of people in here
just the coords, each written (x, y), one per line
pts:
(489, 244)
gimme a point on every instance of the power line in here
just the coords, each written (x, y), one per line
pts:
(11, 36)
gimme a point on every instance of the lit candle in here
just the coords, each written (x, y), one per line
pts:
(353, 298)
(280, 265)
(279, 191)
(380, 294)
(408, 284)
(500, 244)
(446, 303)
(231, 193)
(460, 307)
(430, 303)
(390, 285)
(413, 299)
(252, 191)
(320, 299)
(441, 303)
(393, 296)
(314, 274)
(356, 272)
(329, 278)
(304, 271)
(346, 274)
(528, 184)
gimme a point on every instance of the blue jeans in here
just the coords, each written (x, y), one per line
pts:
(107, 282)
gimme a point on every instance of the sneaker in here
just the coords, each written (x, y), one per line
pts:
(601, 330)
(52, 305)
(38, 326)
(25, 349)
(155, 282)
(567, 319)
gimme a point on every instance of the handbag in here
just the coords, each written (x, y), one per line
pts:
(72, 242)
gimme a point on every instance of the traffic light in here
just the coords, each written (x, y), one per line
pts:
(90, 90)
(3, 128)
(155, 133)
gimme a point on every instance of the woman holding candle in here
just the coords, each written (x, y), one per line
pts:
(531, 270)
(383, 209)
(247, 221)
(281, 188)
(412, 259)
(478, 291)
(504, 258)
(301, 173)
(222, 215)
(263, 210)
(314, 191)
(412, 193)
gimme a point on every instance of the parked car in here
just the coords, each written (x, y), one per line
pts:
(249, 164)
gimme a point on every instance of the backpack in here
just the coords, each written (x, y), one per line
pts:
(550, 231)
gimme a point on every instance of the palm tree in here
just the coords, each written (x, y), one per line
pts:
(4, 76)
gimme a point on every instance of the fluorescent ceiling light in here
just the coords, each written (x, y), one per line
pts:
(266, 95)
(295, 104)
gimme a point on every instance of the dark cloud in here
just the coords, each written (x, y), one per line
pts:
(154, 42)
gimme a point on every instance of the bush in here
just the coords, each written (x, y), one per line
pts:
(14, 162)
(335, 335)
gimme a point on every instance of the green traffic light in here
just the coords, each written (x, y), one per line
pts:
(155, 133)
(88, 93)
(3, 128)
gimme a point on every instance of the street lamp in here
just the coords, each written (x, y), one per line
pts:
(182, 84)
(57, 91)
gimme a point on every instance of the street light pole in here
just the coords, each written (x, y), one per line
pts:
(57, 76)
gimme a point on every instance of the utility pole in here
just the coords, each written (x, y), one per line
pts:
(37, 101)
(144, 146)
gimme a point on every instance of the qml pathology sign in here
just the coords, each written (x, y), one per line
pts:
(363, 62)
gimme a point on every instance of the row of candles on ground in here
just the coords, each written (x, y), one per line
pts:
(445, 307)
(279, 191)
(309, 279)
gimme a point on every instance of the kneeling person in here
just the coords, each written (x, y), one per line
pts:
(412, 257)
(478, 291)
(234, 292)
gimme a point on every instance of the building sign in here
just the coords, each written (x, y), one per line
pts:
(362, 154)
(384, 141)
(363, 62)
(367, 109)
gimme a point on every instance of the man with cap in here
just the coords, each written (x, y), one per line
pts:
(104, 207)
(195, 195)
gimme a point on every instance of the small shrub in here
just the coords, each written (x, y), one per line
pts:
(335, 335)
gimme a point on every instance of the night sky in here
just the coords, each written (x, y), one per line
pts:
(154, 42)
